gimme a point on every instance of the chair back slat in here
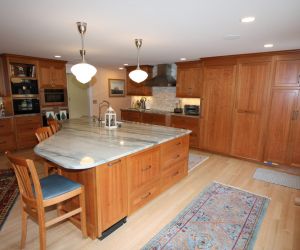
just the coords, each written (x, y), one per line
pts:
(43, 133)
(54, 125)
(27, 178)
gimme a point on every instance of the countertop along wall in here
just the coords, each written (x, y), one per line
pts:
(164, 98)
(99, 92)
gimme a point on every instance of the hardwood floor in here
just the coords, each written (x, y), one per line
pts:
(280, 228)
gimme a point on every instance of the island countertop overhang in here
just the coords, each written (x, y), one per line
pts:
(83, 144)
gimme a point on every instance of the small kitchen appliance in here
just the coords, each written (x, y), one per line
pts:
(192, 109)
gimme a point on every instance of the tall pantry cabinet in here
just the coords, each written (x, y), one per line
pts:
(283, 138)
(250, 109)
(217, 103)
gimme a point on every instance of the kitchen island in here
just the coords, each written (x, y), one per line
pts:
(122, 169)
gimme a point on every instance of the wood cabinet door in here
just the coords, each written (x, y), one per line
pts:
(3, 91)
(58, 74)
(219, 85)
(279, 125)
(113, 193)
(189, 82)
(295, 151)
(287, 73)
(253, 85)
(45, 78)
(133, 116)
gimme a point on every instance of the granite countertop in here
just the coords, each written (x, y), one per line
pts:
(6, 116)
(82, 144)
(163, 112)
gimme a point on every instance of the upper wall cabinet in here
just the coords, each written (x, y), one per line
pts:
(189, 80)
(287, 71)
(138, 89)
(52, 74)
(253, 84)
(3, 87)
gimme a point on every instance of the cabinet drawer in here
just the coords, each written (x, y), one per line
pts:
(173, 151)
(27, 128)
(27, 119)
(7, 142)
(143, 168)
(144, 195)
(6, 126)
(173, 174)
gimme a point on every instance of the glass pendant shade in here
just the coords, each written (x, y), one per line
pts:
(83, 72)
(138, 75)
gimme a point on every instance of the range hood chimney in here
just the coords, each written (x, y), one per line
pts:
(163, 78)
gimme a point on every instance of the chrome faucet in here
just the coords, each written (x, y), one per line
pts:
(101, 105)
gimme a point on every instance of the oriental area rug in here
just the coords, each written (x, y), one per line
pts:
(221, 217)
(8, 193)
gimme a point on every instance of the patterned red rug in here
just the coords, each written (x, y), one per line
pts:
(8, 193)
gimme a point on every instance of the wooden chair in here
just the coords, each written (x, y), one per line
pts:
(42, 134)
(54, 125)
(37, 194)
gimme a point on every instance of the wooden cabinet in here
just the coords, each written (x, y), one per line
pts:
(287, 71)
(113, 192)
(155, 119)
(25, 130)
(189, 80)
(191, 123)
(3, 85)
(143, 174)
(282, 114)
(219, 86)
(138, 89)
(131, 115)
(253, 85)
(295, 138)
(52, 74)
(7, 137)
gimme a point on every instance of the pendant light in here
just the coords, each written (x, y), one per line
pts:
(83, 71)
(138, 75)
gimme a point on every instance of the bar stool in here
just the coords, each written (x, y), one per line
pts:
(54, 125)
(42, 134)
(37, 194)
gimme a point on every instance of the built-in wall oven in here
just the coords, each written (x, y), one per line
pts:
(26, 105)
(53, 97)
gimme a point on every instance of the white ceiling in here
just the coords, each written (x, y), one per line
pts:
(171, 29)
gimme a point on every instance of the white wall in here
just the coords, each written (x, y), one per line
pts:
(99, 91)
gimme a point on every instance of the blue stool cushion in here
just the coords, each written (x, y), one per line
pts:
(55, 185)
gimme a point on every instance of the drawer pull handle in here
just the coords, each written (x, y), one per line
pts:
(178, 143)
(146, 196)
(147, 168)
(113, 163)
(177, 156)
(175, 173)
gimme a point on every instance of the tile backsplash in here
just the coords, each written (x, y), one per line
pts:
(164, 98)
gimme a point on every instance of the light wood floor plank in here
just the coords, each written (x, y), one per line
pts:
(279, 230)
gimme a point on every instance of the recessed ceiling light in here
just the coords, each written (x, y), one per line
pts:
(248, 19)
(125, 64)
(57, 56)
(269, 45)
(121, 68)
(182, 59)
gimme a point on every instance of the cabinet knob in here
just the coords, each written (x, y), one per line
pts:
(147, 168)
(145, 196)
(176, 173)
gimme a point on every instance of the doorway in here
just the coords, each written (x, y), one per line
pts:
(78, 97)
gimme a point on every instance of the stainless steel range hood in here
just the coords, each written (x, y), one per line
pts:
(164, 77)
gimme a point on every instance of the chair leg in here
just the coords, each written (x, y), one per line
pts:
(83, 213)
(42, 231)
(24, 228)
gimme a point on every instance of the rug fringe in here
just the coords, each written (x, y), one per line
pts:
(264, 196)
